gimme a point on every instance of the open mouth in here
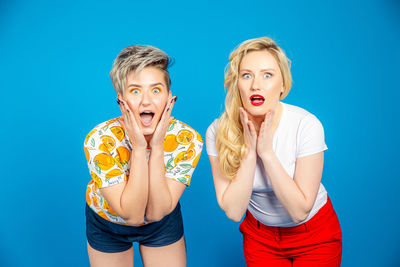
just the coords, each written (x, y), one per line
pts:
(146, 117)
(257, 100)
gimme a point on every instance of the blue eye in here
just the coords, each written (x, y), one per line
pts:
(156, 90)
(246, 76)
(267, 75)
(135, 91)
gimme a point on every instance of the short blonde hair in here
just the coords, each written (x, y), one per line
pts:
(136, 58)
(230, 141)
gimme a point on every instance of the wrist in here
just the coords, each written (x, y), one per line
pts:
(267, 156)
(250, 155)
(157, 149)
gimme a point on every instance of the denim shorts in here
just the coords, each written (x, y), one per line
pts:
(109, 237)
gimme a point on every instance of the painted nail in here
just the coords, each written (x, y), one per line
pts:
(167, 109)
(118, 102)
(176, 98)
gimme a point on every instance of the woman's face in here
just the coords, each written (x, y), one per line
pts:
(260, 82)
(146, 94)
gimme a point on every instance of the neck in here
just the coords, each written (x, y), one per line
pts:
(257, 121)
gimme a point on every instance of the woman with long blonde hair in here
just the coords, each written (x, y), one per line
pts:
(267, 159)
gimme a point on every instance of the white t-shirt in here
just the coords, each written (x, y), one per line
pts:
(298, 134)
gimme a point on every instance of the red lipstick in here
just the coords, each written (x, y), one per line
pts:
(257, 100)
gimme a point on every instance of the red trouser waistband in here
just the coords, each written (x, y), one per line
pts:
(316, 220)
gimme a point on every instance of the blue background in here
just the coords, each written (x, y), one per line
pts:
(55, 87)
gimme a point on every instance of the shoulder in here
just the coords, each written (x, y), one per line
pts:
(212, 129)
(299, 116)
(183, 132)
(110, 128)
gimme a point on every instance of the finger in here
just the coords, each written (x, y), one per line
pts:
(241, 115)
(252, 129)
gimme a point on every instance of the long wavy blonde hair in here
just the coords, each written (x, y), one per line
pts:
(230, 140)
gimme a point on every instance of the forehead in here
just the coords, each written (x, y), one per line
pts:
(258, 60)
(147, 76)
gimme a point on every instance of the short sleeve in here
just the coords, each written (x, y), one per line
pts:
(310, 138)
(211, 138)
(103, 167)
(182, 150)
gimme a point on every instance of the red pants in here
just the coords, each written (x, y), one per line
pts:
(317, 242)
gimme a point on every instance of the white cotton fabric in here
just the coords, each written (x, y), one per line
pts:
(299, 134)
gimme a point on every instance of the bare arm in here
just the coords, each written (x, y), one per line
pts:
(296, 195)
(129, 199)
(233, 196)
(164, 193)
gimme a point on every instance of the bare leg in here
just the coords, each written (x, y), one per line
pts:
(173, 255)
(119, 259)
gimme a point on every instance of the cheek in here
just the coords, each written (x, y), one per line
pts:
(160, 103)
(133, 104)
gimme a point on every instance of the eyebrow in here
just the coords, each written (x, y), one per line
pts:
(269, 69)
(151, 85)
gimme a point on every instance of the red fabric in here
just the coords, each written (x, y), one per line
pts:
(317, 242)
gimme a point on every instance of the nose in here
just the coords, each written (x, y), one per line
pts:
(146, 99)
(256, 84)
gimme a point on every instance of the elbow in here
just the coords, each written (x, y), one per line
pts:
(156, 216)
(235, 216)
(135, 221)
(232, 214)
(300, 216)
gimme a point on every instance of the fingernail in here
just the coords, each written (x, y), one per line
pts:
(118, 101)
(128, 110)
(167, 109)
(176, 98)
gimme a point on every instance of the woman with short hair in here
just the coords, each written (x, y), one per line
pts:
(140, 165)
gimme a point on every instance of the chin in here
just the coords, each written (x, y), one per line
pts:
(148, 130)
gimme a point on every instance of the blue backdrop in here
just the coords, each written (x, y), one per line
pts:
(54, 78)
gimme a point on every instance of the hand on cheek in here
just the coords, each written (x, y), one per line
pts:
(265, 136)
(162, 126)
(250, 134)
(130, 125)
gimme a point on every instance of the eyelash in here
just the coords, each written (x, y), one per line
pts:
(243, 76)
(135, 89)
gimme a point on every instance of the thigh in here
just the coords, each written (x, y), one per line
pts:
(173, 255)
(102, 259)
(257, 254)
(327, 254)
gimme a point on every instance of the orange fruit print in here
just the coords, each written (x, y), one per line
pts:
(184, 137)
(96, 179)
(123, 154)
(118, 132)
(108, 141)
(170, 143)
(86, 154)
(104, 161)
(113, 173)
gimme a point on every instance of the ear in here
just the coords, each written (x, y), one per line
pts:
(170, 93)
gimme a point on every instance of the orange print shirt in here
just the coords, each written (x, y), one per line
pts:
(108, 149)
